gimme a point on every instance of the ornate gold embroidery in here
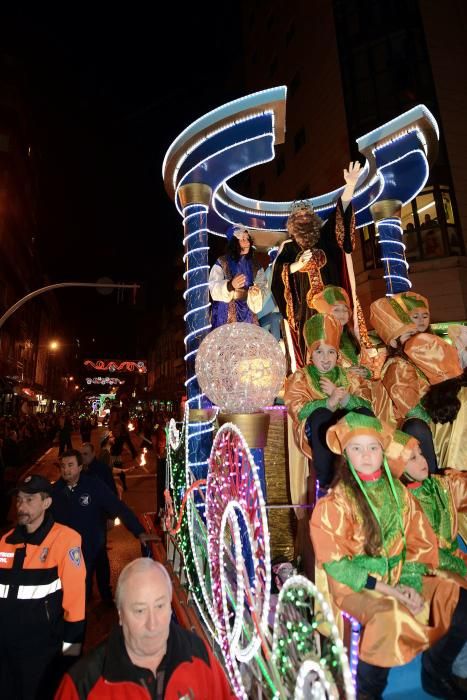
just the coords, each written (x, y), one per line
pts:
(363, 331)
(312, 268)
(288, 298)
(340, 226)
(231, 312)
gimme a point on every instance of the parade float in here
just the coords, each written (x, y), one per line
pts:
(233, 502)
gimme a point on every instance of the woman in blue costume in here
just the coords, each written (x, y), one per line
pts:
(237, 282)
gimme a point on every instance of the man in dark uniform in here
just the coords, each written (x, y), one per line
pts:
(101, 471)
(84, 503)
(95, 467)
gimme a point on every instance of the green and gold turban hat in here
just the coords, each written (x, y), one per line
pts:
(322, 328)
(329, 297)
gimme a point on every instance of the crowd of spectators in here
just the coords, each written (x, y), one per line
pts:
(22, 436)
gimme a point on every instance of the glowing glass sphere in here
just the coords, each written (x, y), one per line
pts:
(240, 367)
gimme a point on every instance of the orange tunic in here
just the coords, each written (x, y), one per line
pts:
(434, 357)
(432, 360)
(405, 387)
(300, 390)
(404, 384)
(391, 636)
(455, 484)
(445, 504)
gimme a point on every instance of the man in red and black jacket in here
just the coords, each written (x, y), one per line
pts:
(147, 657)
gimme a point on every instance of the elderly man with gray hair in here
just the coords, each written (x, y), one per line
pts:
(147, 656)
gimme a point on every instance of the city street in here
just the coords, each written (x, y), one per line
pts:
(122, 546)
(242, 279)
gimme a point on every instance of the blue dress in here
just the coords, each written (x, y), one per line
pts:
(236, 310)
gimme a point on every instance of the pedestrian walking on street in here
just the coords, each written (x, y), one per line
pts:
(84, 503)
(160, 447)
(64, 434)
(42, 596)
(85, 427)
(147, 655)
(122, 438)
(94, 467)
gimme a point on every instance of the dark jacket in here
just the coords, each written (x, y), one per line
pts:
(188, 670)
(86, 507)
(103, 472)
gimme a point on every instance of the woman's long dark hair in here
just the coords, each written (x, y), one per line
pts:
(352, 337)
(233, 249)
(398, 351)
(441, 401)
(373, 537)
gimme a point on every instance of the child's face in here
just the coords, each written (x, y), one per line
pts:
(324, 357)
(417, 466)
(365, 453)
(421, 318)
(340, 313)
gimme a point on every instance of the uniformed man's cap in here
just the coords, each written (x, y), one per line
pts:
(35, 483)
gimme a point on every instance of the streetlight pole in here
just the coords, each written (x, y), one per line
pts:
(60, 285)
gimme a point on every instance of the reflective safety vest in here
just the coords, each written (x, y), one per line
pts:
(42, 585)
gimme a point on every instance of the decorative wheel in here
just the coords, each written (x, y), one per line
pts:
(238, 540)
(188, 525)
(307, 649)
(201, 575)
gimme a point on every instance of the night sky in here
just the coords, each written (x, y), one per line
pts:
(106, 93)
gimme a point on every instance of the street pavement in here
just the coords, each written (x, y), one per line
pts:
(122, 545)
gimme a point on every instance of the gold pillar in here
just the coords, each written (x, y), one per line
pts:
(194, 193)
(386, 209)
(253, 426)
(201, 415)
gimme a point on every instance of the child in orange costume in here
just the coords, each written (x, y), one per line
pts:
(443, 499)
(377, 548)
(441, 496)
(318, 394)
(356, 352)
(417, 377)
